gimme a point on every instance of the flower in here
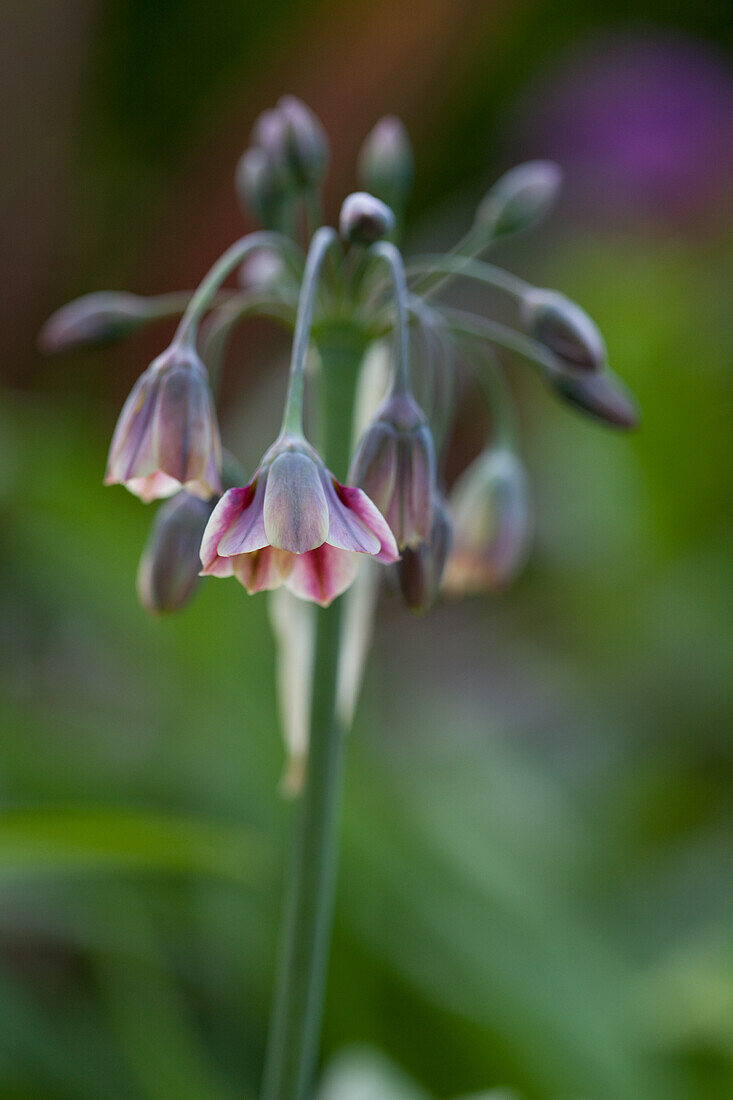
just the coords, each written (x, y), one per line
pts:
(520, 198)
(420, 569)
(386, 165)
(364, 219)
(169, 566)
(491, 516)
(167, 437)
(395, 465)
(294, 524)
(564, 328)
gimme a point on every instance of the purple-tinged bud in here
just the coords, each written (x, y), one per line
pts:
(394, 463)
(306, 144)
(94, 319)
(420, 569)
(564, 328)
(259, 188)
(491, 524)
(169, 567)
(519, 198)
(364, 219)
(386, 164)
(167, 436)
(600, 396)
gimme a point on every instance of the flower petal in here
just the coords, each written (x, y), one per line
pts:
(369, 515)
(228, 511)
(345, 529)
(132, 425)
(154, 486)
(246, 531)
(262, 570)
(322, 574)
(295, 508)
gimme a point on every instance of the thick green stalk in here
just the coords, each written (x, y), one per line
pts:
(310, 891)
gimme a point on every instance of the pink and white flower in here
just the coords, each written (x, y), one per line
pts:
(167, 436)
(294, 524)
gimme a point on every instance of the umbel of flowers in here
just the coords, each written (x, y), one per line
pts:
(324, 514)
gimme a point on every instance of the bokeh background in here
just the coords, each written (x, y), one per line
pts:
(535, 889)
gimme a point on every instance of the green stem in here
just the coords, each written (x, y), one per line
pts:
(390, 255)
(293, 414)
(298, 1004)
(469, 324)
(454, 266)
(203, 295)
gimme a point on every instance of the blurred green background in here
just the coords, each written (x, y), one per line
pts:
(535, 889)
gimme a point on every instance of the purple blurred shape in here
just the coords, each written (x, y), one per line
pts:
(648, 118)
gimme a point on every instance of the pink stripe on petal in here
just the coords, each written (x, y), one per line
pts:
(322, 574)
(369, 515)
(229, 508)
(246, 531)
(345, 530)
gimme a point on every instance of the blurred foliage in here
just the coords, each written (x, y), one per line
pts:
(533, 895)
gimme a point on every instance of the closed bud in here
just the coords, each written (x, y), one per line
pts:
(564, 328)
(394, 464)
(386, 165)
(364, 219)
(600, 396)
(519, 198)
(258, 186)
(169, 567)
(491, 518)
(420, 569)
(94, 319)
(306, 145)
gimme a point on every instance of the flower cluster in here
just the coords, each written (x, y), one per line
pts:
(293, 523)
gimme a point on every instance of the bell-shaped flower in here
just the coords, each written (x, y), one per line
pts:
(491, 524)
(394, 463)
(294, 524)
(167, 436)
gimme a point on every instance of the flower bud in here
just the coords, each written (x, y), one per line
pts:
(564, 328)
(306, 145)
(420, 569)
(519, 198)
(364, 219)
(93, 319)
(394, 464)
(386, 165)
(491, 516)
(259, 189)
(169, 566)
(601, 396)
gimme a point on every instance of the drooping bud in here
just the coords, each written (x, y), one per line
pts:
(259, 189)
(601, 396)
(519, 198)
(564, 328)
(394, 463)
(94, 319)
(491, 517)
(420, 569)
(169, 567)
(306, 145)
(364, 219)
(386, 163)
